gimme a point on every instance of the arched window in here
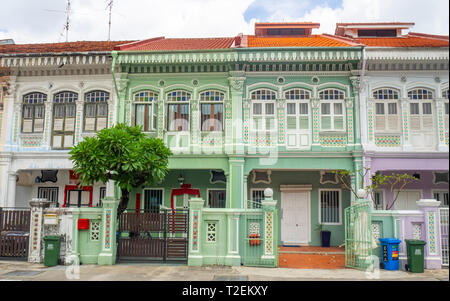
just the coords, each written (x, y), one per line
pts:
(387, 117)
(332, 110)
(263, 110)
(178, 111)
(211, 111)
(33, 112)
(297, 109)
(145, 110)
(95, 111)
(421, 120)
(64, 115)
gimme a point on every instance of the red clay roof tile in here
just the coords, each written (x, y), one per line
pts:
(81, 46)
(404, 41)
(159, 44)
(311, 41)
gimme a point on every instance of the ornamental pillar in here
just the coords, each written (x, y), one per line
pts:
(236, 82)
(356, 84)
(404, 104)
(315, 103)
(195, 257)
(430, 209)
(232, 258)
(236, 183)
(108, 236)
(440, 124)
(36, 226)
(350, 120)
(270, 256)
(12, 180)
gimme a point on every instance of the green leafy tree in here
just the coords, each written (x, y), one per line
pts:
(394, 183)
(123, 154)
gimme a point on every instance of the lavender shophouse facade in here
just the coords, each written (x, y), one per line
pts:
(404, 129)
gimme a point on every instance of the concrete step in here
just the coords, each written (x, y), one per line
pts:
(311, 257)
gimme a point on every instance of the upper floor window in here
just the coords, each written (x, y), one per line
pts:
(297, 109)
(33, 113)
(421, 109)
(331, 110)
(445, 94)
(178, 111)
(420, 94)
(263, 110)
(145, 110)
(446, 109)
(211, 111)
(96, 111)
(64, 116)
(387, 117)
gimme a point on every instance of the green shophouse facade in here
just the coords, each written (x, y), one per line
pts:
(279, 117)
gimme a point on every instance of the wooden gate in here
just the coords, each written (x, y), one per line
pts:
(14, 232)
(153, 236)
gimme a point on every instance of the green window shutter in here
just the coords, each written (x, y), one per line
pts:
(326, 123)
(303, 122)
(291, 122)
(338, 122)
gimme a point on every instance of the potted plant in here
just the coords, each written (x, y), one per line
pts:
(325, 236)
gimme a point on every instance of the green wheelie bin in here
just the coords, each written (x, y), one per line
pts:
(416, 256)
(52, 247)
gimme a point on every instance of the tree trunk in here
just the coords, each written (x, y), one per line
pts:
(123, 202)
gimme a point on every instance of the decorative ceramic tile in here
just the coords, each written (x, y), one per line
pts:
(195, 231)
(333, 141)
(268, 231)
(370, 121)
(431, 233)
(388, 141)
(108, 228)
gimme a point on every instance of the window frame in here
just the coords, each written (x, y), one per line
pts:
(216, 189)
(54, 188)
(152, 103)
(40, 103)
(263, 116)
(332, 114)
(161, 206)
(386, 114)
(320, 190)
(179, 104)
(212, 103)
(381, 192)
(420, 101)
(97, 104)
(253, 202)
(297, 114)
(66, 103)
(441, 191)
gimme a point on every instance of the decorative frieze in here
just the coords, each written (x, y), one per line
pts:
(333, 140)
(388, 141)
(31, 141)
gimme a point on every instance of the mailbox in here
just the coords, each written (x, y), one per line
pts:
(83, 224)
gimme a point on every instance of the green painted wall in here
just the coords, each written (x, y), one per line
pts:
(306, 177)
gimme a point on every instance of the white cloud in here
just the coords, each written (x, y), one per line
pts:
(31, 21)
(429, 17)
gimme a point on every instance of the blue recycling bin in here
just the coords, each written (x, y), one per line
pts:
(389, 253)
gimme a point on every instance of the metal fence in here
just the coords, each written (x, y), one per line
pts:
(252, 242)
(14, 232)
(443, 217)
(358, 236)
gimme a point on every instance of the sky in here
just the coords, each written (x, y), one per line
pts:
(42, 21)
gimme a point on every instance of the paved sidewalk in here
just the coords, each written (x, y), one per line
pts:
(23, 271)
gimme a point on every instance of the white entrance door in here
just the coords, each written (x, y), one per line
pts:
(295, 223)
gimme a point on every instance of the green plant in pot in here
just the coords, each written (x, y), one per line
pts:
(325, 235)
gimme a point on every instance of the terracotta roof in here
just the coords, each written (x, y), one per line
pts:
(404, 41)
(311, 41)
(288, 24)
(377, 23)
(82, 46)
(161, 43)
